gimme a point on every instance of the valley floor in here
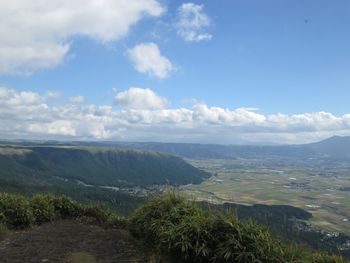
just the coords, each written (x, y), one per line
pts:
(71, 242)
(319, 187)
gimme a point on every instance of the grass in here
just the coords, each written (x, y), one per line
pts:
(18, 212)
(80, 257)
(171, 226)
(183, 230)
(4, 232)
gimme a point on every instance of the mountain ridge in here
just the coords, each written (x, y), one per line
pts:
(100, 166)
(333, 147)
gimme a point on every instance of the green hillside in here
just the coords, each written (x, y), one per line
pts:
(93, 166)
(69, 170)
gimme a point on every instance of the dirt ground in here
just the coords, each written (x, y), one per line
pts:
(71, 242)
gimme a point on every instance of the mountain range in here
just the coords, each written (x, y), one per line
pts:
(335, 147)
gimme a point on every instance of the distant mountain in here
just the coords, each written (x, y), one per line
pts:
(213, 151)
(337, 147)
(334, 147)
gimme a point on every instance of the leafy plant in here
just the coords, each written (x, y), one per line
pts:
(19, 212)
(16, 211)
(103, 216)
(66, 207)
(43, 208)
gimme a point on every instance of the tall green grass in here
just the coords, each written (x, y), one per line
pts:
(17, 212)
(4, 232)
(183, 230)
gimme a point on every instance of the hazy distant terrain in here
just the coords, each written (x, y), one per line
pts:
(319, 188)
(307, 182)
(336, 148)
(315, 176)
(118, 178)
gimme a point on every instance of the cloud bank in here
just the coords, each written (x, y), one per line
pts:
(144, 115)
(38, 34)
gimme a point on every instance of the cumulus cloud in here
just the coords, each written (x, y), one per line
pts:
(192, 23)
(37, 34)
(147, 58)
(146, 116)
(11, 98)
(140, 99)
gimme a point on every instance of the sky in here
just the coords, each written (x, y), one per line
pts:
(228, 71)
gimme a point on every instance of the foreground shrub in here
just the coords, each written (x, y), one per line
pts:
(15, 211)
(66, 208)
(248, 242)
(43, 208)
(149, 220)
(98, 213)
(19, 212)
(190, 234)
(102, 216)
(181, 229)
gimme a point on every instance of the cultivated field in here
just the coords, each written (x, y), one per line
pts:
(318, 187)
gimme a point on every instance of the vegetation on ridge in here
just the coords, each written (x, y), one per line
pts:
(88, 174)
(182, 229)
(171, 225)
(18, 212)
(97, 166)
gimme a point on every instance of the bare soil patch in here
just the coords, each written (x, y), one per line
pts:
(71, 242)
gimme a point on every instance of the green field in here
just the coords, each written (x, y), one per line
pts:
(251, 182)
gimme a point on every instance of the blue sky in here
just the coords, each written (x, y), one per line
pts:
(269, 58)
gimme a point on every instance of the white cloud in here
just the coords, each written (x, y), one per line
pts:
(140, 99)
(147, 58)
(77, 99)
(37, 34)
(145, 116)
(192, 23)
(52, 95)
(12, 98)
(60, 127)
